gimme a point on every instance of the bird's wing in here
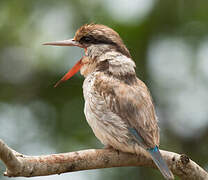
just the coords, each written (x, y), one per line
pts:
(133, 104)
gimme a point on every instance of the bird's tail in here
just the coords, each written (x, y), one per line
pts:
(161, 164)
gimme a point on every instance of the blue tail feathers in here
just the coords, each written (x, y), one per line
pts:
(155, 153)
(161, 164)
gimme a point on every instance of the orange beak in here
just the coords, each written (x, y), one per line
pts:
(76, 67)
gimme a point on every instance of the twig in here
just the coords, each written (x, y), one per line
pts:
(29, 166)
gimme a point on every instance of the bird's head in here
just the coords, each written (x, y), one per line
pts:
(101, 44)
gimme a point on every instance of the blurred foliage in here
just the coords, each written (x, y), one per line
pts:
(29, 70)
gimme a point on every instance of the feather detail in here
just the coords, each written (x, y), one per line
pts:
(155, 154)
(132, 103)
(138, 137)
(160, 163)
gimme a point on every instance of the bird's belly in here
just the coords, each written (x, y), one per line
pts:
(108, 127)
(95, 120)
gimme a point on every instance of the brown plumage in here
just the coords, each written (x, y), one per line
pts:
(118, 105)
(125, 100)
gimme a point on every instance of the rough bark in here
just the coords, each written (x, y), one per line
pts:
(30, 166)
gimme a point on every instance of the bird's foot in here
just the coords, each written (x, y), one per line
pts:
(111, 148)
(108, 146)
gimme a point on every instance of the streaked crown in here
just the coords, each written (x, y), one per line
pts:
(100, 34)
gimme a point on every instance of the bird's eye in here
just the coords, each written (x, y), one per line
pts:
(86, 39)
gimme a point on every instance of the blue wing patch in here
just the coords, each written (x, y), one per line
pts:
(139, 138)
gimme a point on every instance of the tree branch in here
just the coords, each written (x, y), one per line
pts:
(29, 166)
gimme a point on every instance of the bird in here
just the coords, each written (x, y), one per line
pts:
(118, 105)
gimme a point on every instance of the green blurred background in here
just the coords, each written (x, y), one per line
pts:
(168, 41)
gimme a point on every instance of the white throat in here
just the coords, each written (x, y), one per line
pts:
(119, 64)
